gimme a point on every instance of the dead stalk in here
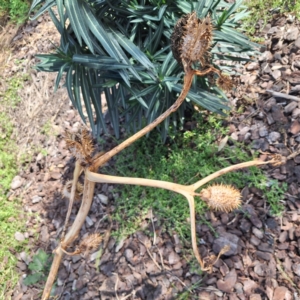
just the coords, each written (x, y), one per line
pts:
(188, 191)
(89, 184)
(188, 79)
(187, 31)
(76, 174)
(88, 194)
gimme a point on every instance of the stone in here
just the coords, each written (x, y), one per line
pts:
(226, 239)
(108, 268)
(25, 257)
(16, 182)
(280, 293)
(44, 235)
(258, 233)
(89, 222)
(76, 258)
(292, 34)
(266, 56)
(263, 131)
(265, 247)
(295, 127)
(290, 107)
(174, 258)
(245, 225)
(297, 43)
(19, 236)
(254, 240)
(260, 269)
(36, 199)
(103, 199)
(128, 253)
(55, 175)
(255, 297)
(276, 74)
(252, 66)
(263, 255)
(228, 283)
(249, 286)
(277, 114)
(271, 223)
(296, 113)
(274, 136)
(296, 269)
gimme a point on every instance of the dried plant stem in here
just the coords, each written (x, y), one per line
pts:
(188, 78)
(188, 191)
(72, 234)
(77, 171)
(219, 173)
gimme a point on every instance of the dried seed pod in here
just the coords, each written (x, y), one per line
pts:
(90, 243)
(81, 146)
(221, 197)
(191, 40)
(176, 38)
(67, 190)
(225, 82)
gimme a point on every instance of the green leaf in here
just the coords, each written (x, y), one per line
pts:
(99, 62)
(77, 19)
(59, 75)
(33, 278)
(48, 4)
(95, 94)
(134, 51)
(85, 90)
(76, 86)
(100, 33)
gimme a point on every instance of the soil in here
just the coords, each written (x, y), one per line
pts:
(264, 259)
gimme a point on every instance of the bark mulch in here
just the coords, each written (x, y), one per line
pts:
(264, 259)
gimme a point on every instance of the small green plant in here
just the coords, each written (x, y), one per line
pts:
(44, 152)
(260, 9)
(12, 217)
(39, 267)
(17, 10)
(189, 292)
(47, 128)
(10, 223)
(191, 156)
(274, 194)
(13, 84)
(8, 166)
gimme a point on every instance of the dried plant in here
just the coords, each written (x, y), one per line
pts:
(191, 40)
(191, 43)
(90, 243)
(81, 146)
(221, 197)
(78, 192)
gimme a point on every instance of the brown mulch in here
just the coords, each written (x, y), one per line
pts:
(264, 259)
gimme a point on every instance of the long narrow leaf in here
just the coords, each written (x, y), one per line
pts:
(48, 4)
(85, 90)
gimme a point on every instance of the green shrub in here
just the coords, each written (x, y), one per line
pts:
(122, 48)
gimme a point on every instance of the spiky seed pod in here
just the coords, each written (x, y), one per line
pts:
(176, 38)
(221, 197)
(67, 190)
(81, 146)
(191, 40)
(224, 82)
(90, 243)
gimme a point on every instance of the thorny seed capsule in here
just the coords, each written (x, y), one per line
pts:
(221, 197)
(191, 39)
